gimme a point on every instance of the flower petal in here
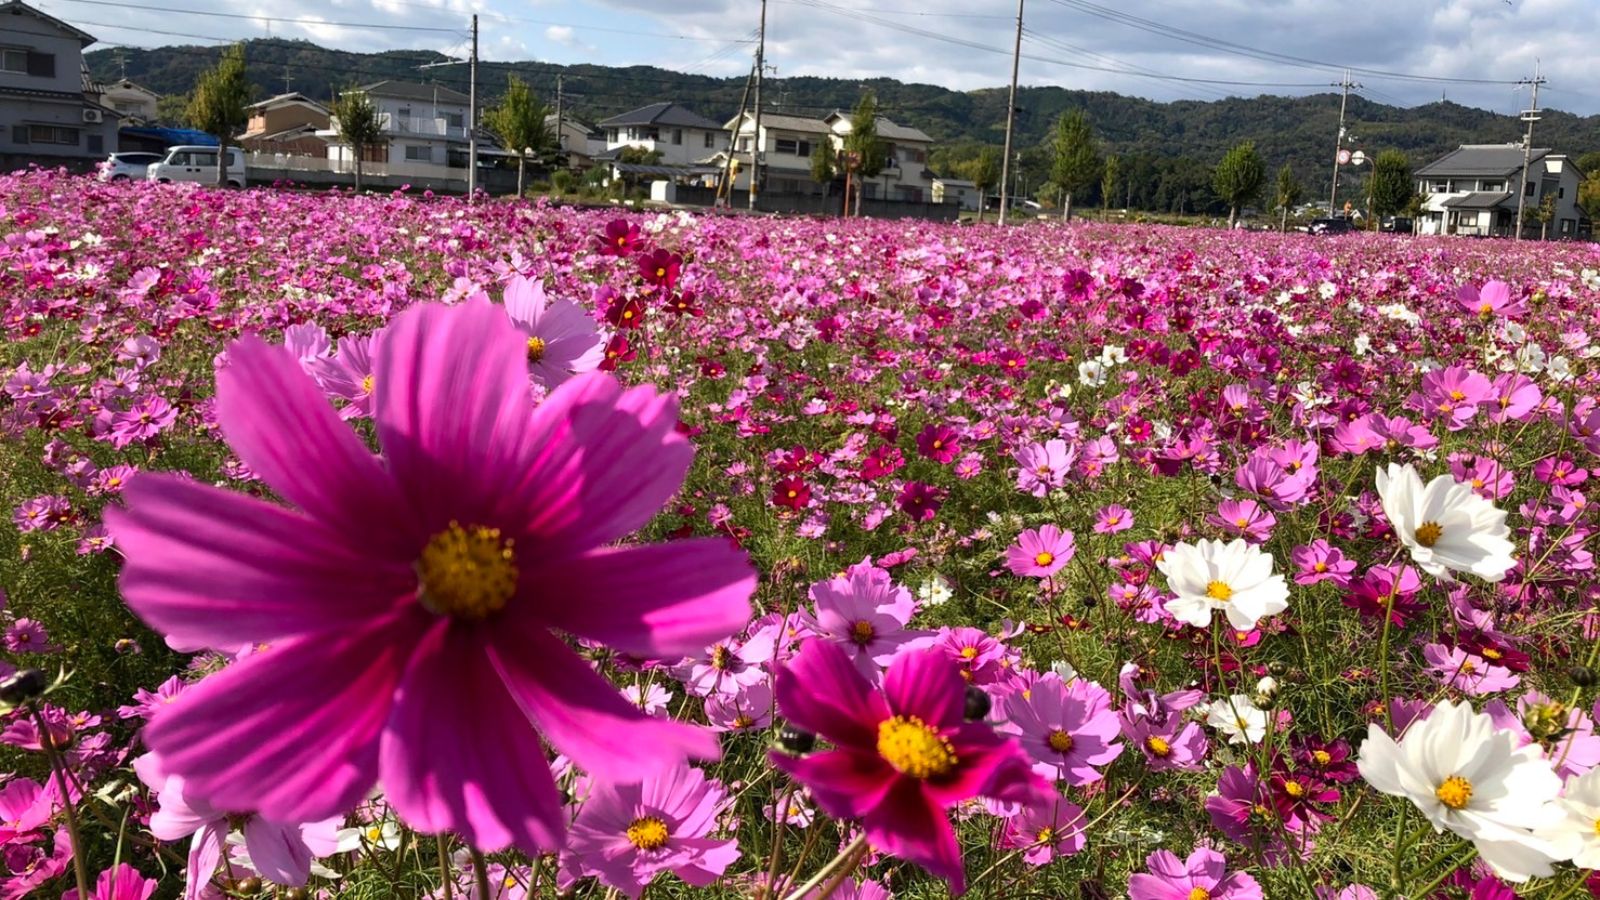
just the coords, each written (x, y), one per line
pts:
(213, 568)
(659, 600)
(847, 784)
(584, 716)
(458, 755)
(926, 684)
(277, 851)
(292, 731)
(907, 824)
(821, 691)
(282, 426)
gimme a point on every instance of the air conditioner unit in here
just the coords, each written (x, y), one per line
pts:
(93, 115)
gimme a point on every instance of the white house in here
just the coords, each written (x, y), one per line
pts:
(1473, 190)
(905, 175)
(136, 103)
(581, 141)
(682, 136)
(50, 110)
(787, 143)
(955, 190)
(422, 123)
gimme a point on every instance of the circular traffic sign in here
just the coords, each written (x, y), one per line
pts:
(1344, 157)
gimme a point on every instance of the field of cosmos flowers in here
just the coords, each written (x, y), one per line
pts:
(391, 546)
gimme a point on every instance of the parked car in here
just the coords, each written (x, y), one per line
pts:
(125, 166)
(1338, 225)
(1395, 225)
(197, 164)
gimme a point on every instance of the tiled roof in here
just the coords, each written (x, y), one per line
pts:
(1475, 160)
(665, 113)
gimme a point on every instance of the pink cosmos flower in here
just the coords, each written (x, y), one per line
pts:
(1387, 591)
(1492, 300)
(920, 501)
(410, 603)
(143, 420)
(982, 659)
(725, 667)
(1041, 468)
(1167, 742)
(307, 341)
(120, 882)
(1112, 519)
(1245, 518)
(148, 703)
(562, 339)
(32, 868)
(1570, 742)
(25, 807)
(1452, 395)
(901, 755)
(1041, 552)
(1204, 874)
(1045, 831)
(349, 375)
(1068, 729)
(626, 835)
(749, 709)
(865, 613)
(1467, 672)
(1321, 561)
(1515, 396)
(281, 853)
(940, 443)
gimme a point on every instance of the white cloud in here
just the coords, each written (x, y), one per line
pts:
(560, 34)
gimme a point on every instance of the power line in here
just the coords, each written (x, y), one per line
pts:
(254, 18)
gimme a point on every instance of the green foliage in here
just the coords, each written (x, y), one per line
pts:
(822, 163)
(561, 181)
(1108, 180)
(518, 120)
(1589, 196)
(172, 110)
(1286, 195)
(359, 126)
(218, 103)
(1391, 187)
(1239, 178)
(868, 152)
(984, 170)
(1076, 163)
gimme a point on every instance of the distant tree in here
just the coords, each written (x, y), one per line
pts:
(1076, 164)
(1108, 182)
(984, 173)
(1238, 179)
(1391, 187)
(217, 105)
(172, 110)
(519, 122)
(1286, 195)
(1544, 214)
(822, 163)
(1589, 196)
(359, 125)
(1589, 163)
(865, 152)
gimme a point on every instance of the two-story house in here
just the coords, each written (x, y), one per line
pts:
(1473, 190)
(135, 102)
(905, 174)
(580, 141)
(49, 109)
(288, 124)
(787, 143)
(680, 135)
(421, 123)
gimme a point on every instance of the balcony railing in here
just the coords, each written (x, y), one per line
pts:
(422, 126)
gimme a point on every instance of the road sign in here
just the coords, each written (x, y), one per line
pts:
(1357, 158)
(1344, 157)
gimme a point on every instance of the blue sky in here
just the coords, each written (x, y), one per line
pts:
(1408, 51)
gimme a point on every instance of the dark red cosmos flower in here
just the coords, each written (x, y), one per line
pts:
(920, 501)
(939, 443)
(625, 312)
(792, 493)
(1329, 760)
(685, 303)
(617, 351)
(885, 460)
(901, 755)
(1011, 362)
(661, 267)
(620, 238)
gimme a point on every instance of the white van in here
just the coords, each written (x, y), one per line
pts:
(197, 164)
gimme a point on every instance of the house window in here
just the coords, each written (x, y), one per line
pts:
(1532, 188)
(1439, 187)
(23, 61)
(415, 153)
(794, 146)
(651, 134)
(711, 139)
(404, 112)
(744, 143)
(611, 135)
(1493, 186)
(13, 59)
(52, 134)
(677, 135)
(456, 120)
(1561, 193)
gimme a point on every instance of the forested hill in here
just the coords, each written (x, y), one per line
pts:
(1167, 149)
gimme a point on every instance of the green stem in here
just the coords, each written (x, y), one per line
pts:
(828, 869)
(1448, 870)
(80, 871)
(444, 868)
(480, 869)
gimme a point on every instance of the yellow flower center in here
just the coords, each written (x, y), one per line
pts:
(1455, 792)
(1158, 746)
(1241, 522)
(1321, 757)
(1219, 591)
(1320, 567)
(374, 835)
(1457, 396)
(467, 572)
(535, 349)
(914, 748)
(861, 632)
(1294, 789)
(937, 443)
(1428, 533)
(743, 721)
(1597, 827)
(647, 833)
(1492, 653)
(719, 657)
(969, 652)
(1060, 741)
(1199, 894)
(1047, 835)
(661, 271)
(367, 383)
(1045, 558)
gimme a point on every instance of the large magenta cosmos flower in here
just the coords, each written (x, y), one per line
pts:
(411, 604)
(901, 755)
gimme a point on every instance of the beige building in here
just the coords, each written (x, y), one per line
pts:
(286, 124)
(136, 103)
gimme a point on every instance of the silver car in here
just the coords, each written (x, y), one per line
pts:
(127, 166)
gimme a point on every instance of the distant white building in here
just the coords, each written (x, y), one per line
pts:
(136, 103)
(50, 109)
(581, 141)
(422, 123)
(787, 143)
(955, 190)
(1473, 191)
(682, 136)
(905, 175)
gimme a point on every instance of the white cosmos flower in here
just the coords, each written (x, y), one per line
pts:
(1091, 373)
(1576, 834)
(1446, 526)
(1235, 577)
(1239, 719)
(1471, 778)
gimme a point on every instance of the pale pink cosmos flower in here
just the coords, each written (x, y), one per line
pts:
(1041, 552)
(1043, 467)
(1044, 831)
(1069, 730)
(865, 612)
(1112, 519)
(562, 340)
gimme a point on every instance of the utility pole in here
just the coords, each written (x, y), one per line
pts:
(1345, 85)
(1530, 116)
(755, 144)
(559, 136)
(726, 184)
(1011, 117)
(286, 79)
(472, 116)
